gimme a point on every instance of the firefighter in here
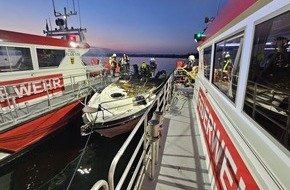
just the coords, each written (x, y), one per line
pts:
(113, 63)
(226, 67)
(125, 64)
(144, 71)
(190, 63)
(153, 66)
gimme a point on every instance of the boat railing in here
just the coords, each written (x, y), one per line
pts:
(16, 107)
(273, 105)
(183, 76)
(148, 144)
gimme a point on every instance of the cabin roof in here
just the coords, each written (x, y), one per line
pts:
(17, 37)
(232, 13)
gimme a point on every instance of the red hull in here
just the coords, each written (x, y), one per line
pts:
(29, 133)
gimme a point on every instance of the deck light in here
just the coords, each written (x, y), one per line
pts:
(72, 38)
(199, 36)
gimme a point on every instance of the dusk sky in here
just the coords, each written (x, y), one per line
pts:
(131, 26)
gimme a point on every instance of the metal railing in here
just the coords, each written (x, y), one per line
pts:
(76, 88)
(147, 144)
(272, 105)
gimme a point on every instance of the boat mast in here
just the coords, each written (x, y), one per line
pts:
(64, 31)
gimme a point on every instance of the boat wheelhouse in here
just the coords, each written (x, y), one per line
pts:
(242, 95)
(234, 132)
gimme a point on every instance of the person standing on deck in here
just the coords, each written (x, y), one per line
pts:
(144, 71)
(125, 64)
(153, 66)
(277, 67)
(190, 63)
(192, 69)
(113, 63)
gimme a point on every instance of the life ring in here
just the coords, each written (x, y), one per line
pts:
(95, 61)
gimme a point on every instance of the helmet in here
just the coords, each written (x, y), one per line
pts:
(191, 58)
(227, 55)
(152, 59)
(114, 55)
(144, 65)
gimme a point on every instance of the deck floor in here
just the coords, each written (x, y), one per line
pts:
(181, 157)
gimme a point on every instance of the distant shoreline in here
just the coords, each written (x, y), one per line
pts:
(142, 55)
(105, 52)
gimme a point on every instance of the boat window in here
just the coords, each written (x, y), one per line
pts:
(226, 65)
(268, 86)
(15, 59)
(206, 61)
(49, 57)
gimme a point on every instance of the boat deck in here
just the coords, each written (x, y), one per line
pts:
(181, 163)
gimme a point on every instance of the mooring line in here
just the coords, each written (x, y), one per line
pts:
(81, 157)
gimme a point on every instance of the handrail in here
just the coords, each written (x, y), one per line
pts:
(75, 88)
(161, 99)
(100, 184)
(129, 139)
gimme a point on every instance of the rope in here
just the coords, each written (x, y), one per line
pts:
(79, 162)
(178, 95)
(86, 98)
(81, 157)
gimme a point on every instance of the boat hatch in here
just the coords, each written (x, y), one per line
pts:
(117, 95)
(140, 100)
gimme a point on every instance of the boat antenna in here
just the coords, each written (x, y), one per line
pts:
(57, 14)
(74, 5)
(63, 31)
(49, 23)
(46, 25)
(79, 13)
(218, 7)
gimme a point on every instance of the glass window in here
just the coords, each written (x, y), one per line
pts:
(15, 59)
(206, 61)
(49, 58)
(226, 65)
(268, 86)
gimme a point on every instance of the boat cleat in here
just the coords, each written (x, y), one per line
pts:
(86, 129)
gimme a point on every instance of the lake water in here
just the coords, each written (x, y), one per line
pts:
(167, 64)
(62, 161)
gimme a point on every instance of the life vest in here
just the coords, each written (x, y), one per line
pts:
(144, 70)
(112, 62)
(226, 66)
(144, 66)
